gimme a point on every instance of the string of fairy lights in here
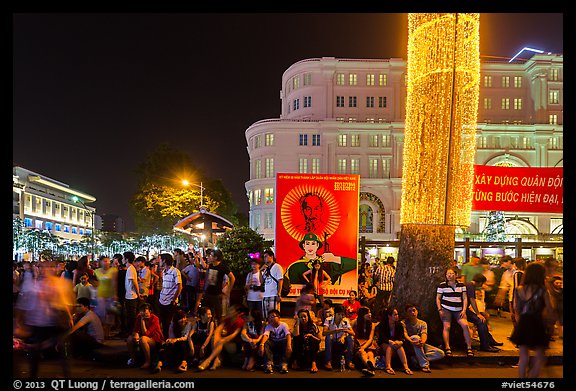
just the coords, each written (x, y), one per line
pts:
(441, 113)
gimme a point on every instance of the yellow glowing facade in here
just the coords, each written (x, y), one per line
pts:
(441, 113)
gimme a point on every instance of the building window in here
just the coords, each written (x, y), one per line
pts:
(351, 101)
(354, 166)
(369, 101)
(487, 81)
(481, 142)
(340, 79)
(257, 197)
(342, 140)
(339, 101)
(74, 230)
(269, 195)
(49, 226)
(525, 143)
(373, 140)
(66, 229)
(366, 217)
(316, 140)
(258, 169)
(81, 231)
(487, 103)
(303, 166)
(517, 81)
(341, 166)
(353, 79)
(372, 167)
(554, 143)
(296, 82)
(257, 141)
(307, 79)
(354, 140)
(517, 103)
(381, 101)
(505, 103)
(303, 139)
(307, 101)
(369, 80)
(57, 227)
(296, 104)
(256, 220)
(269, 139)
(553, 119)
(316, 165)
(383, 80)
(39, 224)
(554, 73)
(553, 97)
(386, 140)
(386, 167)
(269, 220)
(269, 167)
(505, 81)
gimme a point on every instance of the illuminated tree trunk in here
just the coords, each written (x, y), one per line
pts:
(443, 73)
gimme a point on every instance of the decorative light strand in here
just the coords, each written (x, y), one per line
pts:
(440, 120)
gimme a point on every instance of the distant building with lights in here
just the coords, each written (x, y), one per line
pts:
(346, 116)
(112, 223)
(44, 203)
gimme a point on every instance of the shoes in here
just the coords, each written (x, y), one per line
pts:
(183, 367)
(157, 368)
(284, 368)
(497, 343)
(215, 365)
(328, 366)
(368, 372)
(408, 371)
(426, 369)
(490, 349)
(389, 371)
(371, 366)
(351, 366)
(131, 363)
(448, 352)
(269, 369)
(201, 367)
(469, 353)
(314, 369)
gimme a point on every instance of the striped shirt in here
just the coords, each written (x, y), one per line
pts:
(384, 277)
(452, 298)
(170, 280)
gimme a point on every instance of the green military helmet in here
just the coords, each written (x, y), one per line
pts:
(310, 236)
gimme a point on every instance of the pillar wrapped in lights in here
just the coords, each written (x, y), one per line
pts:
(439, 148)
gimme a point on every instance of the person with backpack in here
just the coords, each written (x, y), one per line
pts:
(273, 279)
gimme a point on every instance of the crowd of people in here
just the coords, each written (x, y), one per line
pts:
(174, 311)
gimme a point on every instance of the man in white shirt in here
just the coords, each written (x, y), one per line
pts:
(132, 296)
(273, 278)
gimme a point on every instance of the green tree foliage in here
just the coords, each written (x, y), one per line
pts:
(236, 244)
(161, 199)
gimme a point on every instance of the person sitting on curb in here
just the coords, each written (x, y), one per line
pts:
(417, 335)
(276, 341)
(147, 334)
(487, 341)
(83, 342)
(339, 336)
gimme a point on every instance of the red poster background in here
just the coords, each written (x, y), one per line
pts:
(340, 195)
(518, 189)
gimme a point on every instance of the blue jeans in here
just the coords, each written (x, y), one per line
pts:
(427, 353)
(333, 344)
(486, 339)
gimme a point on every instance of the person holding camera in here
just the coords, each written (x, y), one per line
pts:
(254, 286)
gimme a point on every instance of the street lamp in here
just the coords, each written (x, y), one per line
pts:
(187, 183)
(91, 215)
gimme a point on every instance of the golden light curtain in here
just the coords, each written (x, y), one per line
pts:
(441, 113)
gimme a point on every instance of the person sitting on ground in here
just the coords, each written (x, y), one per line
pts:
(87, 333)
(351, 304)
(226, 337)
(276, 342)
(178, 346)
(416, 337)
(365, 346)
(391, 339)
(326, 311)
(146, 333)
(306, 337)
(201, 335)
(339, 338)
(251, 336)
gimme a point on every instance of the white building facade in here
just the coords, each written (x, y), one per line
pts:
(346, 116)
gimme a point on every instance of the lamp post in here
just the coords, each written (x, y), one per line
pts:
(91, 215)
(187, 183)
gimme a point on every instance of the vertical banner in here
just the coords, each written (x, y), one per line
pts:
(317, 219)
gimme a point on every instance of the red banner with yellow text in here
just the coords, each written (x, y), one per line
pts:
(518, 189)
(317, 219)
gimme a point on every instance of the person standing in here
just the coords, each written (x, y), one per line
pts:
(531, 333)
(106, 293)
(191, 273)
(452, 302)
(144, 277)
(254, 286)
(319, 278)
(470, 269)
(132, 295)
(273, 279)
(213, 285)
(384, 281)
(171, 288)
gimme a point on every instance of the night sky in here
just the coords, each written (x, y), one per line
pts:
(93, 94)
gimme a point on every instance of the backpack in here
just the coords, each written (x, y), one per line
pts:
(286, 284)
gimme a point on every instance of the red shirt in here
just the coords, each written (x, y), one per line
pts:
(153, 328)
(351, 308)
